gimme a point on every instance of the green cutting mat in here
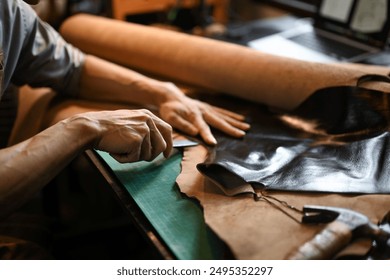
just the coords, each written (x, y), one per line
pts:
(178, 220)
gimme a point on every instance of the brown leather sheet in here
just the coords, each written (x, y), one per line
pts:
(206, 63)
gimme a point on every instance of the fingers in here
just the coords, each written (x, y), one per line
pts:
(179, 116)
(204, 129)
(157, 139)
(225, 126)
(133, 135)
(195, 117)
(229, 113)
(199, 121)
(187, 119)
(182, 124)
(239, 124)
(164, 132)
(224, 120)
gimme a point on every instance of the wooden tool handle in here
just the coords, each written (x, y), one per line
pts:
(325, 244)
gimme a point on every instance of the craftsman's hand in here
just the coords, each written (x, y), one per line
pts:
(130, 135)
(194, 117)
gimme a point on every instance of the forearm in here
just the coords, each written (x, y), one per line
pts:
(30, 165)
(366, 68)
(104, 81)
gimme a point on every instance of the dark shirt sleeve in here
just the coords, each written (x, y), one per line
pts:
(45, 59)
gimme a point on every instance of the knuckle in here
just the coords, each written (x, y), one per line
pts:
(169, 128)
(192, 115)
(145, 111)
(144, 114)
(138, 139)
(172, 118)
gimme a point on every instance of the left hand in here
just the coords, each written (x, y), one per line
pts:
(195, 117)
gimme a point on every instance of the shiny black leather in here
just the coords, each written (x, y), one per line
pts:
(336, 141)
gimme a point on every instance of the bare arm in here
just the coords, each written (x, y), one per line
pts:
(128, 135)
(105, 81)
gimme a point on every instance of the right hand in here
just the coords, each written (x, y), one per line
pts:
(195, 117)
(130, 135)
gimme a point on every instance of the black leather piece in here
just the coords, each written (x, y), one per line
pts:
(336, 141)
